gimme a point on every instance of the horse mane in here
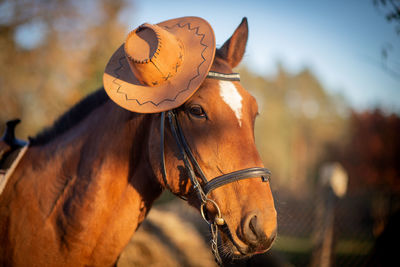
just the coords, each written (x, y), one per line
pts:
(70, 118)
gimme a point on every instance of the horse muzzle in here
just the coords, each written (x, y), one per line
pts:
(250, 238)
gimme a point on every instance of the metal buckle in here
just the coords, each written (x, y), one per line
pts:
(266, 178)
(218, 219)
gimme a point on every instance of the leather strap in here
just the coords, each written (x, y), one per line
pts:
(177, 128)
(254, 172)
(162, 147)
(163, 171)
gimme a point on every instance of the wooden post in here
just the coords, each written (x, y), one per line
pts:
(332, 185)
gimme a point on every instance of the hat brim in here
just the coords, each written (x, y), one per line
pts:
(124, 88)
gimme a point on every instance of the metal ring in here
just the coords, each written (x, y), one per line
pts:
(203, 214)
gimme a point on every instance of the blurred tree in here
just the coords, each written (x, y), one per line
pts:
(391, 11)
(53, 53)
(372, 154)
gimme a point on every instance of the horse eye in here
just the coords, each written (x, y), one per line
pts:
(197, 111)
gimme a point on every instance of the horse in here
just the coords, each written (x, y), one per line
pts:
(86, 183)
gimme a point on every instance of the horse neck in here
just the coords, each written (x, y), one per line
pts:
(97, 170)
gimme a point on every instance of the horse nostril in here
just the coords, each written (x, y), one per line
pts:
(258, 238)
(251, 230)
(253, 225)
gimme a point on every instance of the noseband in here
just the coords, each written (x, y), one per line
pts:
(205, 186)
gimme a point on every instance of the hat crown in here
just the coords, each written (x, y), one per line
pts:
(161, 66)
(154, 54)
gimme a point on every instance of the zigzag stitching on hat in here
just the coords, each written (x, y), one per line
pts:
(117, 76)
(180, 92)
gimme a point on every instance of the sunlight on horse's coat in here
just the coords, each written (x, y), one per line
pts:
(231, 96)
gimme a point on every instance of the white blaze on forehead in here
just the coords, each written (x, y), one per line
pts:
(231, 96)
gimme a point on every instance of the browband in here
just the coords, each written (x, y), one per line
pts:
(224, 76)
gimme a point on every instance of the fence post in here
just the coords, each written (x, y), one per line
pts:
(331, 185)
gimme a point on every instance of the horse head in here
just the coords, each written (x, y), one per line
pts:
(217, 125)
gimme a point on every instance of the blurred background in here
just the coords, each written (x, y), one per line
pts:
(326, 75)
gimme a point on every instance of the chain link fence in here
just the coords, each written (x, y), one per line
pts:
(299, 227)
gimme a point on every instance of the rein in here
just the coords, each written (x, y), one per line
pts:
(203, 186)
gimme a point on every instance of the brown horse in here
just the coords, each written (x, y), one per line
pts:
(85, 185)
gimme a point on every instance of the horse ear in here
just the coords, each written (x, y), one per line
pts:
(233, 49)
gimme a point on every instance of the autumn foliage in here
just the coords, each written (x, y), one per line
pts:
(372, 154)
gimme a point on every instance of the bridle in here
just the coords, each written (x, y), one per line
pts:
(204, 186)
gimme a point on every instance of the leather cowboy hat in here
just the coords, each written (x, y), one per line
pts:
(160, 65)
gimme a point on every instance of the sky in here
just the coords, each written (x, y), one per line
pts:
(340, 41)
